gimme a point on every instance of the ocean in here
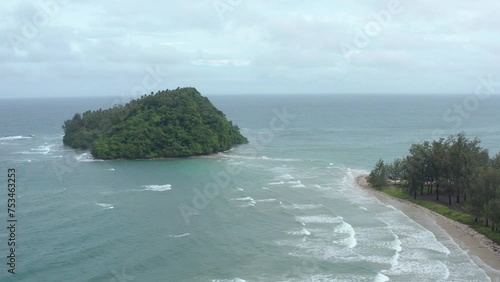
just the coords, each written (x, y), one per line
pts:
(284, 207)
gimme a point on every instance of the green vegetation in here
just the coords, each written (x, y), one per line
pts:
(378, 176)
(170, 123)
(456, 167)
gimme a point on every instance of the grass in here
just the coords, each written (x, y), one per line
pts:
(445, 211)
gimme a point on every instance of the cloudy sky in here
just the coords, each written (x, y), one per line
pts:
(118, 47)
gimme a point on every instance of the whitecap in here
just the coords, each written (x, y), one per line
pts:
(157, 188)
(110, 169)
(248, 201)
(276, 183)
(346, 228)
(302, 231)
(266, 158)
(8, 138)
(302, 206)
(318, 219)
(381, 278)
(296, 184)
(86, 157)
(179, 236)
(267, 200)
(286, 176)
(105, 206)
(40, 150)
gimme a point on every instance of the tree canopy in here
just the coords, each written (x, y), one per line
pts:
(457, 167)
(169, 123)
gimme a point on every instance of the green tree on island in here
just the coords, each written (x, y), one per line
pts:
(170, 123)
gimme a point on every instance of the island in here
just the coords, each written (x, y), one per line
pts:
(166, 124)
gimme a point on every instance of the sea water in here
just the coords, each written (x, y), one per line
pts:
(282, 208)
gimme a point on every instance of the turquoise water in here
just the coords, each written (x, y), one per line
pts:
(282, 208)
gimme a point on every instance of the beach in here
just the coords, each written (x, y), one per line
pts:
(484, 252)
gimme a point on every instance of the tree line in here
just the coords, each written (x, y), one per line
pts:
(169, 123)
(456, 168)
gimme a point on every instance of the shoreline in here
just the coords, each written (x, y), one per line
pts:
(484, 252)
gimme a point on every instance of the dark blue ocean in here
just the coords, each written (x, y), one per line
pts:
(282, 208)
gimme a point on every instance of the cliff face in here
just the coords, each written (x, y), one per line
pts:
(170, 123)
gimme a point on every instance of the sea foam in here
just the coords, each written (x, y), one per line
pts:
(346, 228)
(157, 188)
(105, 206)
(8, 138)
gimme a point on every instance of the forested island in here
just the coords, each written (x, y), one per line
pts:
(454, 176)
(166, 124)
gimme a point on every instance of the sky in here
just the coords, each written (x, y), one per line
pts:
(128, 48)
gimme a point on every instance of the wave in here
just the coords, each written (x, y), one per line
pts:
(302, 206)
(265, 158)
(249, 201)
(157, 188)
(86, 157)
(318, 219)
(346, 228)
(276, 183)
(286, 176)
(302, 231)
(179, 236)
(40, 150)
(267, 200)
(104, 205)
(296, 184)
(19, 137)
(381, 278)
(397, 246)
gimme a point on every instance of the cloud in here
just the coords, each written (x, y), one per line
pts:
(103, 47)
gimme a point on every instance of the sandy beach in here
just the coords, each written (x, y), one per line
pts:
(483, 251)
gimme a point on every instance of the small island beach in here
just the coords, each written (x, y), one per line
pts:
(482, 250)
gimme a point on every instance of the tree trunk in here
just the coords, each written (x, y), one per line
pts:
(465, 196)
(486, 222)
(458, 195)
(437, 192)
(421, 189)
(475, 219)
(449, 198)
